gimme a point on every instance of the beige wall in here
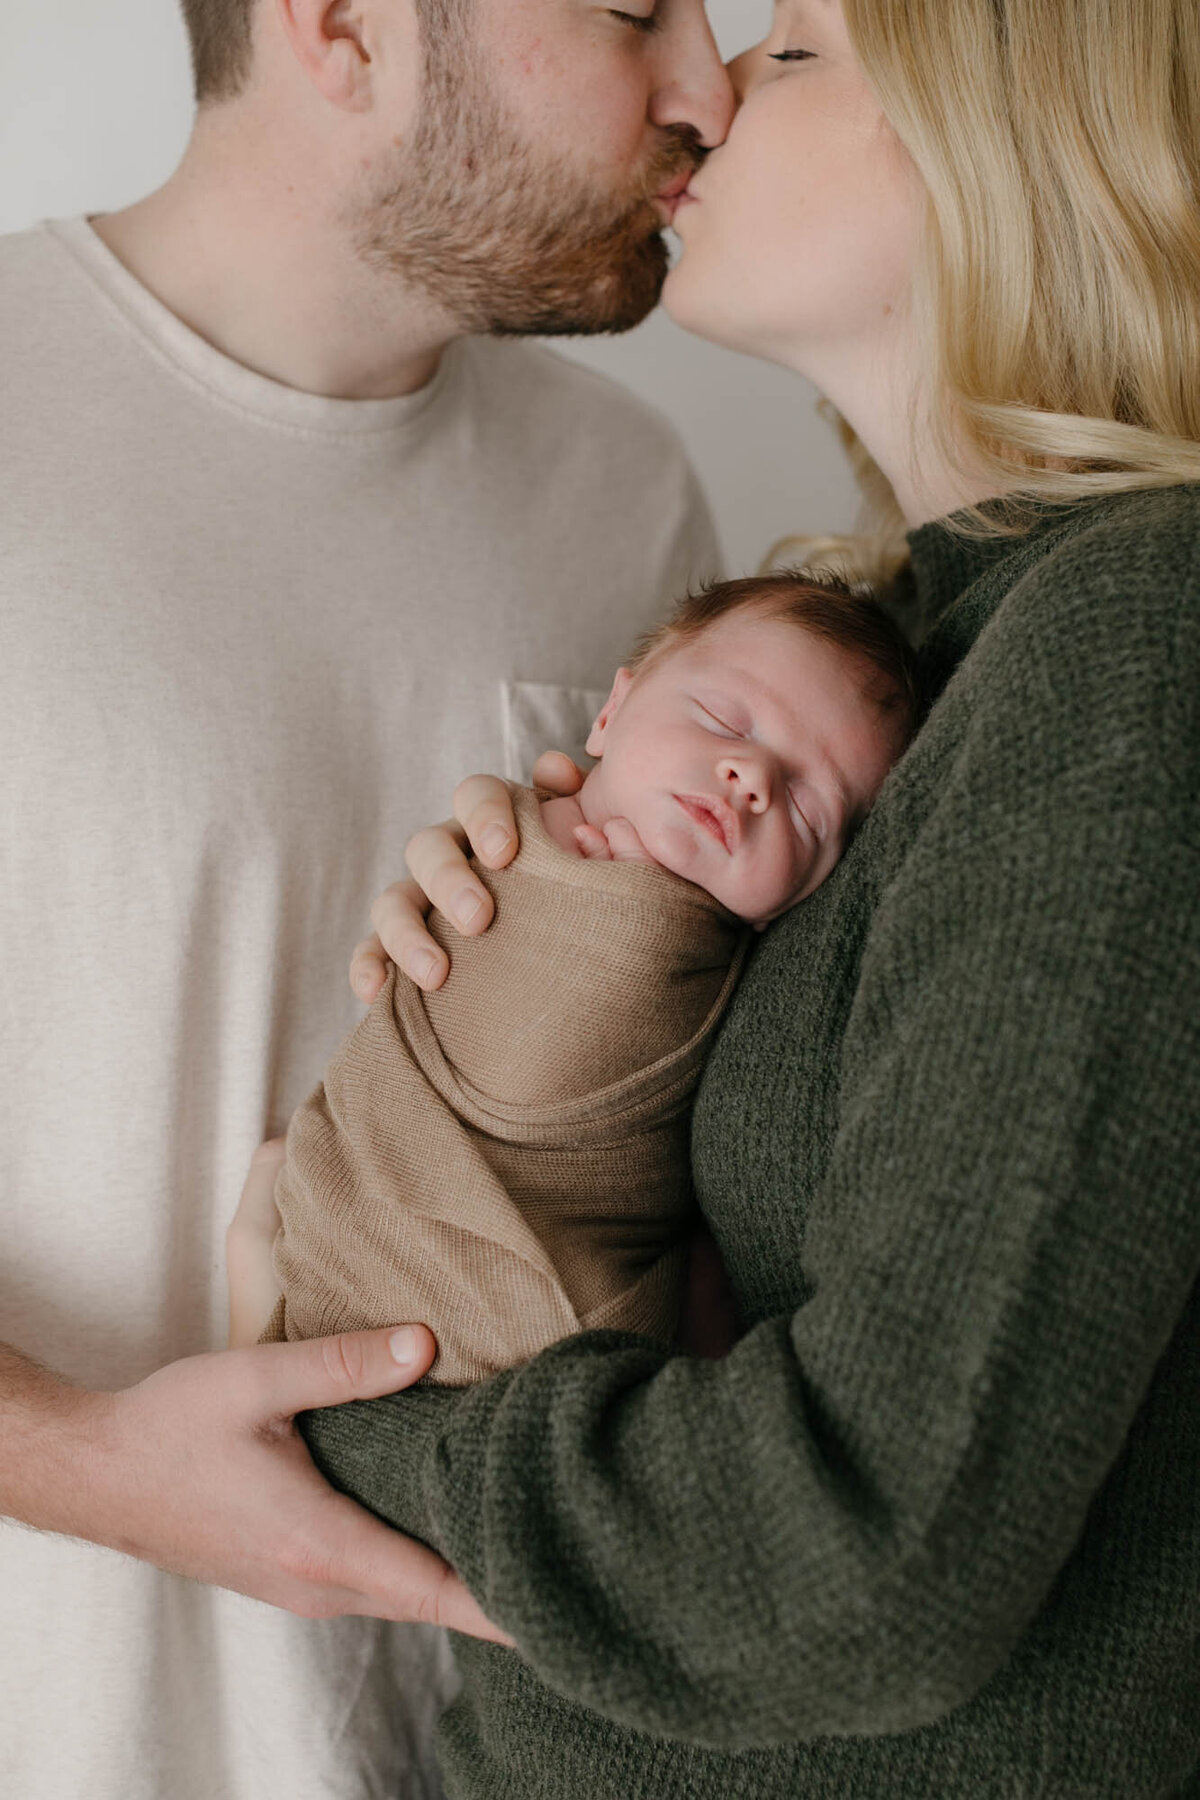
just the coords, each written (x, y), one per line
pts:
(95, 106)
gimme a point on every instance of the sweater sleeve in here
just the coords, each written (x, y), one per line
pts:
(847, 1525)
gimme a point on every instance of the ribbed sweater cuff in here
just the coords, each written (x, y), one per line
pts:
(385, 1453)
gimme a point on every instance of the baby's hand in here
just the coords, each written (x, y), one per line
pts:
(592, 843)
(615, 842)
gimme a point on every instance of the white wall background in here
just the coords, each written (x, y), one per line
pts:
(95, 107)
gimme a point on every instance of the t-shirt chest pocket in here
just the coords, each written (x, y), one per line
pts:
(545, 715)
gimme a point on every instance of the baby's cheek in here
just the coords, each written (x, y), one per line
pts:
(789, 883)
(674, 849)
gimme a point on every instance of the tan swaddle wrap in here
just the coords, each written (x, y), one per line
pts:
(507, 1160)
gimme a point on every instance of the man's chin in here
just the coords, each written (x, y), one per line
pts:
(596, 298)
(584, 324)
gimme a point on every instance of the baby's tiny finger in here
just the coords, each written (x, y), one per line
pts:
(592, 843)
(624, 842)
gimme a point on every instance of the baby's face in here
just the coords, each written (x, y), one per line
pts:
(743, 760)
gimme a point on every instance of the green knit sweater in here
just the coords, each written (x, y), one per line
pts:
(933, 1528)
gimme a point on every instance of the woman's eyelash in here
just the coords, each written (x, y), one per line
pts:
(638, 21)
(786, 56)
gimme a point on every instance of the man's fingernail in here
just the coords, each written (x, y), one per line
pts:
(495, 841)
(467, 907)
(421, 965)
(403, 1345)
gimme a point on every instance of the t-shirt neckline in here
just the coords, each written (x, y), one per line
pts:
(193, 357)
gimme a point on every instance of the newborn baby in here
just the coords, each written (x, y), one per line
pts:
(506, 1159)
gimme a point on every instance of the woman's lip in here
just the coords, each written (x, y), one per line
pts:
(719, 820)
(674, 188)
(676, 195)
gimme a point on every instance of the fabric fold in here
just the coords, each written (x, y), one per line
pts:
(506, 1160)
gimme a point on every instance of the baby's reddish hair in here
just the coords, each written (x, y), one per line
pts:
(826, 607)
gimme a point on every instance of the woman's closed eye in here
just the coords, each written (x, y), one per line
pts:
(792, 56)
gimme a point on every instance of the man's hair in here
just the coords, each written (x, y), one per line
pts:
(824, 606)
(221, 36)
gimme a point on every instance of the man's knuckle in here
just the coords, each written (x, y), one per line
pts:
(430, 1604)
(305, 1566)
(466, 794)
(425, 845)
(383, 910)
(344, 1359)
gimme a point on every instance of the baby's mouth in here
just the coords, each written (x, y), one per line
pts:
(714, 816)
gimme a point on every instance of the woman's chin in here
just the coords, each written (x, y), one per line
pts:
(692, 303)
(709, 310)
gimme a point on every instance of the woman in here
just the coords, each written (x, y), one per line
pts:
(931, 1527)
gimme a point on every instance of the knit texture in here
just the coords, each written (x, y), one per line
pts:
(932, 1528)
(507, 1159)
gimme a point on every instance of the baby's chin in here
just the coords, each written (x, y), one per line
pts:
(677, 852)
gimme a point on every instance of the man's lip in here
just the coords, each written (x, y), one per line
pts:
(676, 187)
(718, 819)
(675, 194)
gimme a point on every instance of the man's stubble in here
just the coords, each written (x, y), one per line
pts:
(503, 239)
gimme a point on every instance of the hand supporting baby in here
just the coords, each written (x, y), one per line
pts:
(440, 876)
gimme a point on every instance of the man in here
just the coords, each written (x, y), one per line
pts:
(275, 525)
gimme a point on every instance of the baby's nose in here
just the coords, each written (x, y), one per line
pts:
(748, 780)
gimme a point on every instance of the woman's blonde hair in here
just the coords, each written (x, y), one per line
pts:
(1059, 292)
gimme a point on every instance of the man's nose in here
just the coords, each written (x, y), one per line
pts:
(692, 84)
(745, 780)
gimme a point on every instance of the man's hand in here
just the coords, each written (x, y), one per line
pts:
(441, 877)
(201, 1470)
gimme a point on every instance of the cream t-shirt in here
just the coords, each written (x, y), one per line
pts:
(249, 640)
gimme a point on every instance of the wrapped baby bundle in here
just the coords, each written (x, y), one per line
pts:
(507, 1160)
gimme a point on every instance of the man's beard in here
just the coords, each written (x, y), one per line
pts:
(504, 240)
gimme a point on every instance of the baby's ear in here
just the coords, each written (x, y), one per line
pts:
(622, 682)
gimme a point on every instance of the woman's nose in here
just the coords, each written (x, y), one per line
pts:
(741, 72)
(746, 779)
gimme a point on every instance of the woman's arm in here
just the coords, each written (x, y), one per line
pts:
(848, 1524)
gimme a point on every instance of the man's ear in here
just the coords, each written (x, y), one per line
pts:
(622, 682)
(329, 39)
